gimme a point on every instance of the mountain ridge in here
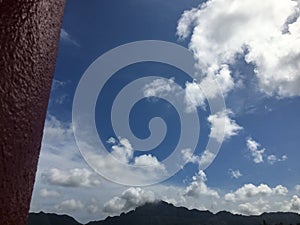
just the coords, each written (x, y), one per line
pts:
(163, 213)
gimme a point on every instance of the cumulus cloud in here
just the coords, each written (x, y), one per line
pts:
(199, 188)
(206, 158)
(123, 151)
(148, 160)
(129, 199)
(215, 84)
(249, 191)
(45, 193)
(295, 203)
(61, 159)
(265, 33)
(70, 205)
(71, 178)
(222, 126)
(188, 156)
(280, 190)
(258, 153)
(248, 209)
(235, 173)
(194, 96)
(254, 207)
(249, 199)
(122, 164)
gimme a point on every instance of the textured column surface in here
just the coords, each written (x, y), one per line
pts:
(29, 36)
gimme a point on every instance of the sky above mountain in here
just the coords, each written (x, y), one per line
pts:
(206, 115)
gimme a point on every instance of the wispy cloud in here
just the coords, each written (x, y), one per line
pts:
(45, 193)
(70, 205)
(235, 173)
(71, 178)
(66, 37)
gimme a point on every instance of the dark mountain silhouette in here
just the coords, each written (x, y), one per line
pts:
(42, 218)
(162, 213)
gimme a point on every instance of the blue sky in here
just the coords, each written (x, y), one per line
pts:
(250, 49)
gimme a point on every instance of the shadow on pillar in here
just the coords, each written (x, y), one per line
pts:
(29, 36)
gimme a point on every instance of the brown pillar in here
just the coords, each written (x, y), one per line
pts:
(29, 35)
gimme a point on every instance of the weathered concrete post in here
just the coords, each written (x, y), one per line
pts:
(29, 36)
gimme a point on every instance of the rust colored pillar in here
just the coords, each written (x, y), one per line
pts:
(29, 36)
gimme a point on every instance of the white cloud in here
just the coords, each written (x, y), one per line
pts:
(70, 205)
(249, 191)
(194, 96)
(248, 209)
(115, 205)
(62, 147)
(210, 87)
(254, 207)
(280, 190)
(206, 158)
(58, 146)
(93, 207)
(199, 188)
(111, 140)
(273, 159)
(295, 203)
(235, 173)
(65, 36)
(148, 160)
(59, 150)
(256, 153)
(220, 123)
(45, 193)
(225, 79)
(161, 88)
(122, 162)
(188, 156)
(262, 32)
(71, 178)
(57, 84)
(55, 131)
(130, 198)
(203, 160)
(123, 150)
(58, 95)
(297, 188)
(248, 199)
